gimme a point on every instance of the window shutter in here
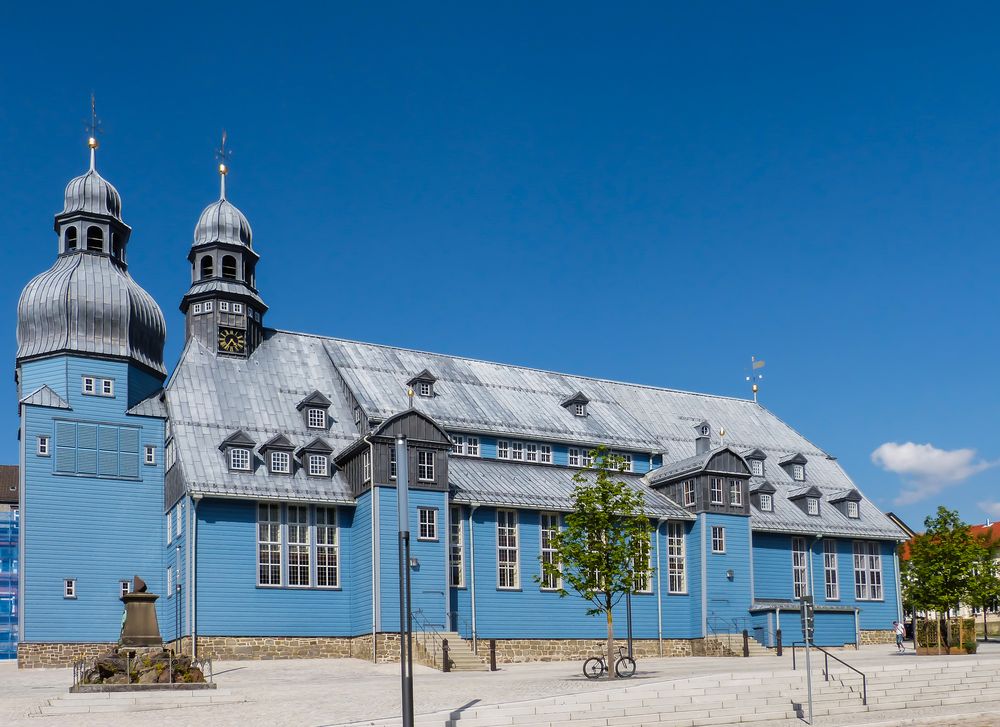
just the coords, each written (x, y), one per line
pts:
(86, 458)
(65, 447)
(108, 455)
(128, 444)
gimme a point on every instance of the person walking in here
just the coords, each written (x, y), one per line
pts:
(897, 627)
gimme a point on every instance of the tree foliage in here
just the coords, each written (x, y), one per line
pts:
(603, 550)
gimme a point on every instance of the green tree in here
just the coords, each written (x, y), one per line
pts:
(984, 584)
(604, 539)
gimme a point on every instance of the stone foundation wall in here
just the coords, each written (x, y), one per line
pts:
(511, 651)
(878, 636)
(292, 647)
(34, 655)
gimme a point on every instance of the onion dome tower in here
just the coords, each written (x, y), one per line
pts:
(222, 308)
(87, 303)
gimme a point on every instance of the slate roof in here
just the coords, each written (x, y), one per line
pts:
(44, 396)
(151, 406)
(515, 484)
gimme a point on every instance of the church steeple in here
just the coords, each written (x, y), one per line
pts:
(222, 308)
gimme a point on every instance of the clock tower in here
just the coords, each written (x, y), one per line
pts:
(222, 308)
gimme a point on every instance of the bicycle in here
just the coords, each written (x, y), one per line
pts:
(596, 666)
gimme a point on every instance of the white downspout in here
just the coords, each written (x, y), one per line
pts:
(659, 589)
(371, 456)
(194, 577)
(899, 591)
(472, 574)
(704, 576)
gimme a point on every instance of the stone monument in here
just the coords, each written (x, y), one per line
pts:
(140, 627)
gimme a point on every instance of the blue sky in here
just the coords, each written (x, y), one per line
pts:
(650, 193)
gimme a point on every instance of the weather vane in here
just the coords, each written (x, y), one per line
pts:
(94, 130)
(754, 376)
(223, 155)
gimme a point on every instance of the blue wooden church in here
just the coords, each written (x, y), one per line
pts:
(253, 486)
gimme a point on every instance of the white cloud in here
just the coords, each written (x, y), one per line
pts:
(926, 469)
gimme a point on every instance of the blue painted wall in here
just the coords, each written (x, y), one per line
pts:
(560, 453)
(97, 530)
(359, 567)
(729, 599)
(175, 556)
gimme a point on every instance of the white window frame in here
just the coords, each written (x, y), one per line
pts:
(316, 418)
(799, 472)
(425, 389)
(425, 465)
(89, 386)
(108, 387)
(269, 543)
(427, 523)
(735, 493)
(149, 454)
(868, 571)
(545, 453)
(319, 465)
(766, 502)
(580, 410)
(196, 309)
(800, 567)
(223, 306)
(170, 526)
(457, 444)
(124, 587)
(209, 306)
(299, 546)
(530, 452)
(717, 487)
(366, 466)
(508, 560)
(853, 510)
(718, 539)
(676, 559)
(69, 588)
(392, 461)
(42, 448)
(327, 548)
(503, 449)
(472, 446)
(280, 462)
(573, 457)
(812, 506)
(587, 458)
(642, 580)
(690, 493)
(239, 459)
(238, 308)
(179, 519)
(456, 549)
(517, 451)
(548, 525)
(831, 576)
(626, 460)
(170, 581)
(757, 467)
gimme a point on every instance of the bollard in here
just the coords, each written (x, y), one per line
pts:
(493, 654)
(746, 644)
(445, 665)
(777, 642)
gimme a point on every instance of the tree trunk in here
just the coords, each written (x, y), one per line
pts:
(611, 638)
(986, 633)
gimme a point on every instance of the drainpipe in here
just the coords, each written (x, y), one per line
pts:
(659, 589)
(899, 592)
(472, 574)
(857, 628)
(371, 457)
(703, 518)
(194, 578)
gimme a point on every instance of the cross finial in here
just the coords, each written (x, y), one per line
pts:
(223, 154)
(94, 129)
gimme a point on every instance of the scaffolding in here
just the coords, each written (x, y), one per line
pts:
(9, 527)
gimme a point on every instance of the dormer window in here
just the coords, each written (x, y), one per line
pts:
(577, 404)
(423, 384)
(319, 465)
(849, 503)
(795, 467)
(812, 506)
(704, 430)
(799, 473)
(317, 419)
(315, 457)
(853, 511)
(765, 502)
(580, 410)
(313, 408)
(425, 389)
(281, 463)
(757, 467)
(239, 459)
(238, 449)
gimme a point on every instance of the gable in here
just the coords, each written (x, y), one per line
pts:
(415, 425)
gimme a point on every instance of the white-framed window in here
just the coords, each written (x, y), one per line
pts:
(508, 573)
(472, 446)
(580, 410)
(545, 453)
(239, 459)
(42, 446)
(457, 444)
(424, 388)
(765, 502)
(689, 493)
(392, 461)
(268, 544)
(549, 528)
(179, 519)
(574, 457)
(125, 587)
(718, 539)
(503, 449)
(319, 465)
(799, 569)
(517, 450)
(209, 305)
(196, 309)
(170, 526)
(223, 306)
(425, 465)
(316, 418)
(69, 588)
(853, 511)
(170, 581)
(531, 452)
(642, 569)
(327, 548)
(830, 577)
(798, 472)
(716, 491)
(107, 387)
(735, 492)
(357, 415)
(812, 505)
(457, 548)
(626, 461)
(89, 385)
(867, 571)
(237, 308)
(676, 566)
(427, 519)
(149, 454)
(93, 386)
(757, 467)
(298, 546)
(281, 462)
(588, 458)
(366, 466)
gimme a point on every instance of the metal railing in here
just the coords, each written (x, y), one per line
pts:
(826, 667)
(461, 626)
(728, 631)
(431, 640)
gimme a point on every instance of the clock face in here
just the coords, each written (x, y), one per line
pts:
(232, 340)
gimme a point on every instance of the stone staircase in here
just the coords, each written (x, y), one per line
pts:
(427, 648)
(120, 702)
(732, 645)
(774, 697)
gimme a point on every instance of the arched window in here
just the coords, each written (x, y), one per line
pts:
(206, 267)
(95, 239)
(71, 238)
(229, 267)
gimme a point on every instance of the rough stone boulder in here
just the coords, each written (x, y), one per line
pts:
(142, 666)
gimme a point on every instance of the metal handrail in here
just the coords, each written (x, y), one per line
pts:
(427, 629)
(462, 626)
(826, 667)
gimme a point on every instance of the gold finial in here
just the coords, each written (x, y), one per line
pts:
(95, 130)
(409, 394)
(223, 154)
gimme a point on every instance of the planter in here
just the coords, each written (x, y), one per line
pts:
(956, 636)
